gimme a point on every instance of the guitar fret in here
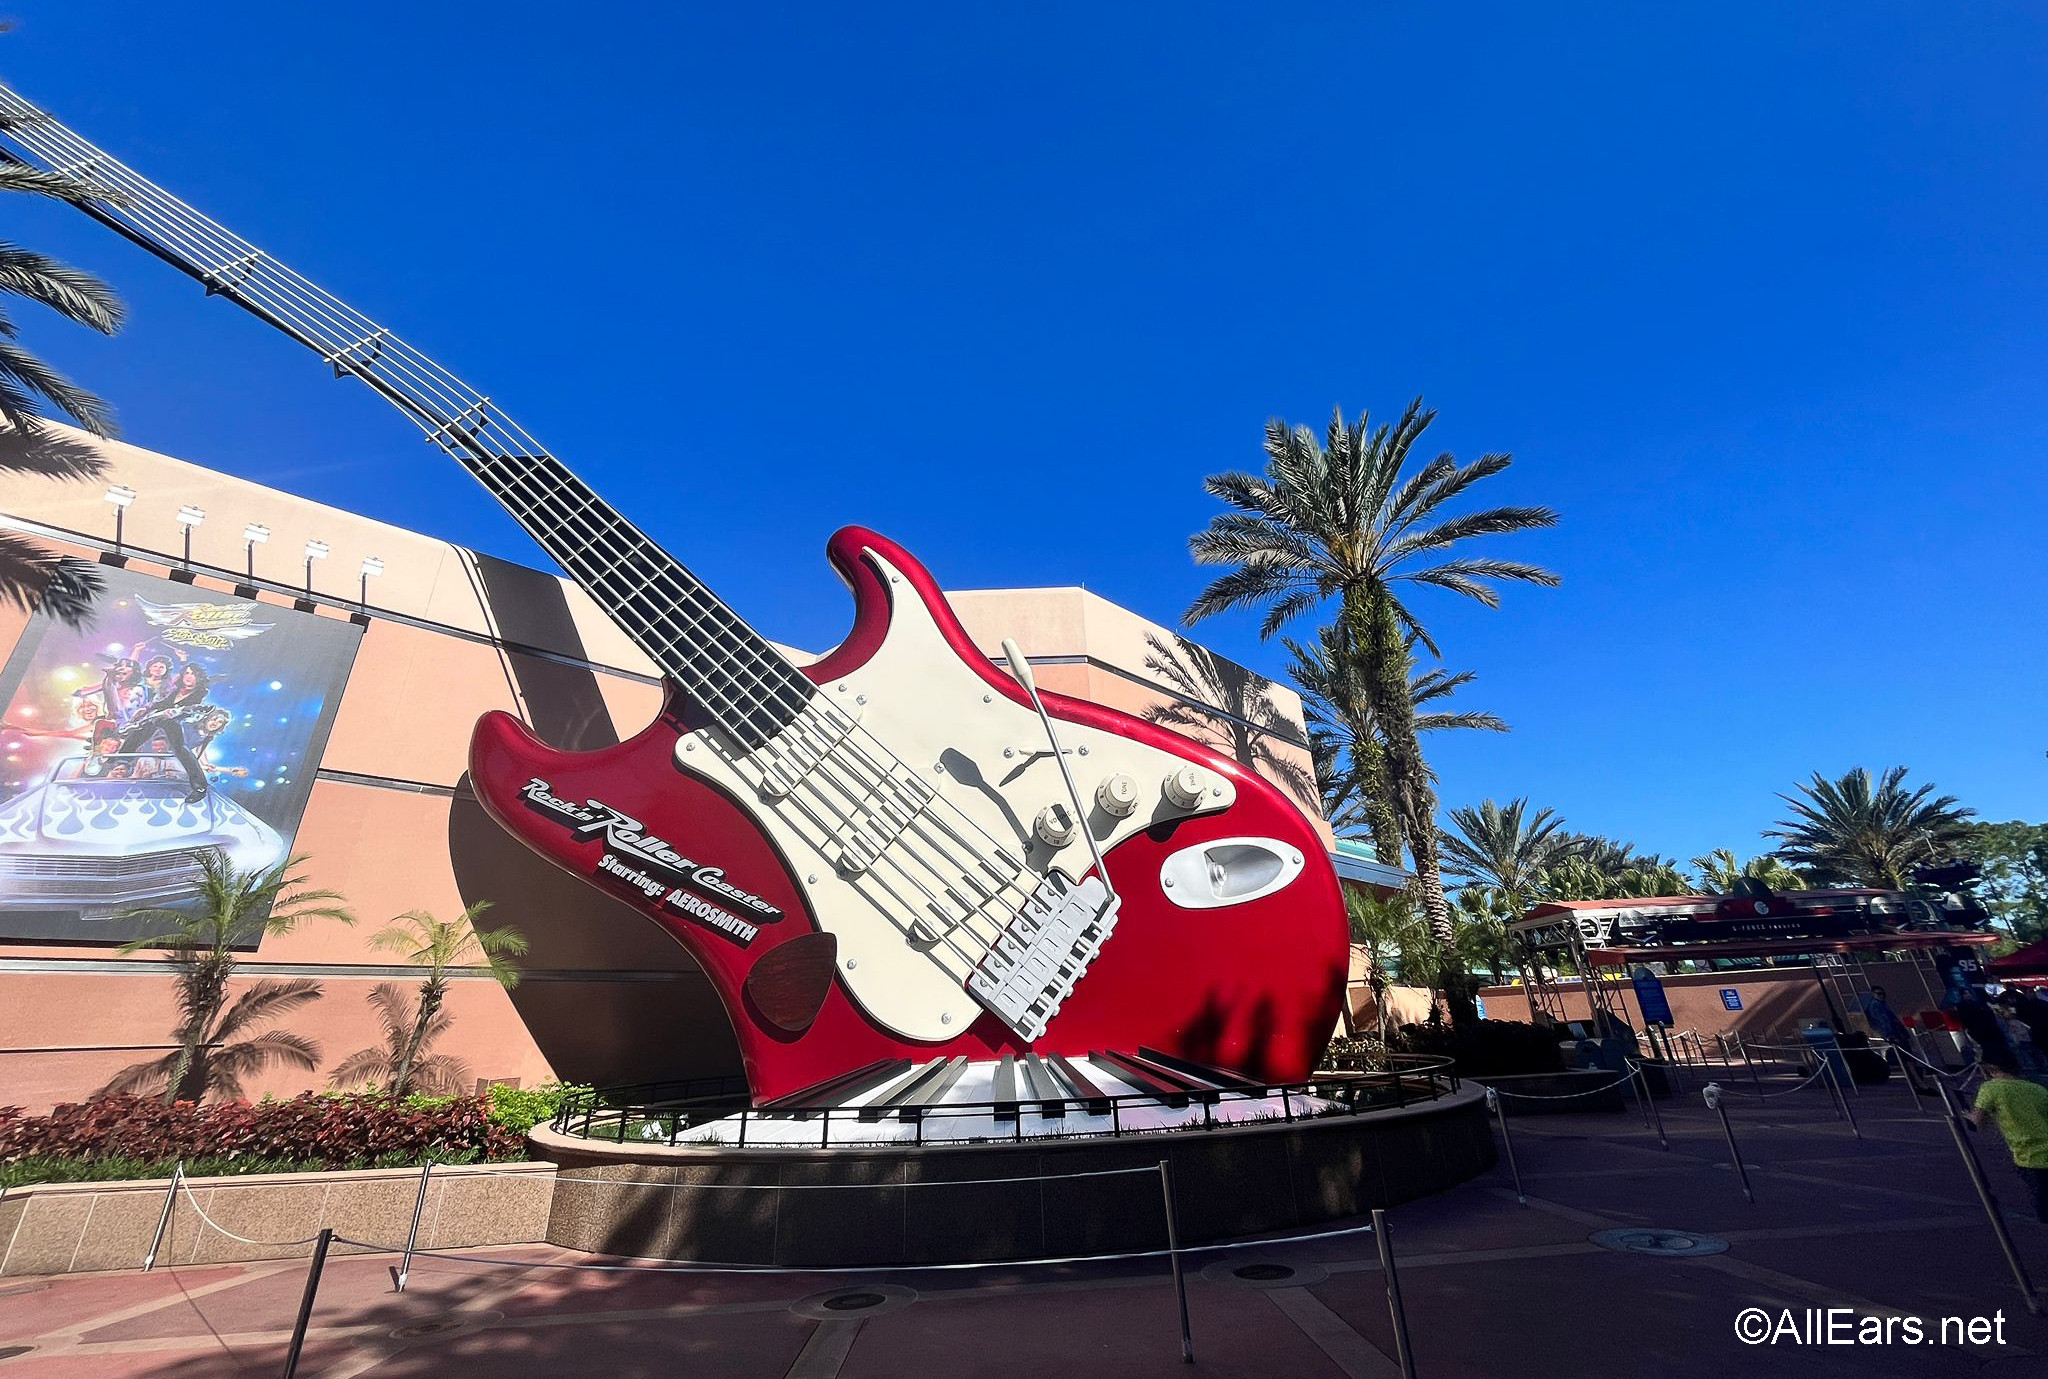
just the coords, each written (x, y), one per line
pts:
(696, 640)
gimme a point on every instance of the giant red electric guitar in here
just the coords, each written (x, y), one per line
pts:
(899, 851)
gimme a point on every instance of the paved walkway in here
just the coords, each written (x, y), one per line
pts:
(1886, 1226)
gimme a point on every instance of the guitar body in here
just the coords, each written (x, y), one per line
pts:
(825, 968)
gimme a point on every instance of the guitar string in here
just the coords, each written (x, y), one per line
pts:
(778, 696)
(856, 797)
(857, 793)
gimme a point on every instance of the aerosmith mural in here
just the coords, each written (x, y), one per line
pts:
(176, 720)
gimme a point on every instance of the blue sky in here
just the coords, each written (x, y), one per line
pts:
(1755, 295)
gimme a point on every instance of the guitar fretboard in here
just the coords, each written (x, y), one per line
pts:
(724, 666)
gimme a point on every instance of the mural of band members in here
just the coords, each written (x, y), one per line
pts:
(176, 721)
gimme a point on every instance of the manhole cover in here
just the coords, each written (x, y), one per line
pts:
(1263, 1273)
(445, 1326)
(876, 1297)
(1639, 1240)
(8, 1352)
(433, 1328)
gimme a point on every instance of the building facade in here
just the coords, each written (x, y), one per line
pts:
(319, 673)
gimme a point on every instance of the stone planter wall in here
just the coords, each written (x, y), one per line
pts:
(897, 1204)
(63, 1228)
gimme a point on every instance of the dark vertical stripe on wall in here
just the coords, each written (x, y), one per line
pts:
(563, 703)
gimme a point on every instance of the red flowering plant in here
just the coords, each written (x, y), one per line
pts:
(309, 1131)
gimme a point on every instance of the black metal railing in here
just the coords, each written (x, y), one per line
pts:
(661, 1113)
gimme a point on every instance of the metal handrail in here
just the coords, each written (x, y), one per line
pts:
(610, 1112)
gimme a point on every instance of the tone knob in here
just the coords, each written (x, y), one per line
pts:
(1183, 789)
(1117, 795)
(1054, 826)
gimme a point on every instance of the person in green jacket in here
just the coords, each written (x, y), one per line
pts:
(2020, 1110)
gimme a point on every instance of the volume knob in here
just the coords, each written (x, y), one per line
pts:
(1183, 789)
(1054, 826)
(1117, 795)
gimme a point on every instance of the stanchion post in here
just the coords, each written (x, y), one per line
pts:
(1998, 1228)
(412, 1235)
(1907, 1073)
(1635, 1088)
(1755, 1078)
(1402, 1353)
(1180, 1282)
(1500, 1112)
(1712, 1092)
(163, 1218)
(1655, 1114)
(291, 1356)
(1841, 1100)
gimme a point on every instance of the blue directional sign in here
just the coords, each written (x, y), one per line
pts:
(1650, 996)
(1731, 999)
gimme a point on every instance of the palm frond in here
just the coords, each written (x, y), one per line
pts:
(140, 1079)
(70, 292)
(26, 374)
(266, 1000)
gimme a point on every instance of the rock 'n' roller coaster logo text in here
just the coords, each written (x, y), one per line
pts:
(653, 867)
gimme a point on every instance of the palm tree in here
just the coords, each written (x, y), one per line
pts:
(1505, 849)
(230, 908)
(1394, 939)
(1345, 738)
(29, 575)
(1337, 519)
(1871, 834)
(441, 946)
(222, 1057)
(1720, 870)
(1225, 707)
(433, 1074)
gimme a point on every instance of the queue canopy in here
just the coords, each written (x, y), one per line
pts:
(2030, 961)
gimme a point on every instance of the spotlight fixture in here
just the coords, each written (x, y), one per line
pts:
(315, 550)
(188, 518)
(371, 566)
(254, 535)
(119, 496)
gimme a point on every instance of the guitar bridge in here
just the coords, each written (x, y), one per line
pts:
(1043, 951)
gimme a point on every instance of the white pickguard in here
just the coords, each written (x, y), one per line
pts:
(987, 760)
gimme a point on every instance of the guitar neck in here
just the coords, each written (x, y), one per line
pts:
(726, 668)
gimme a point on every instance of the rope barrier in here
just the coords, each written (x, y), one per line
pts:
(1958, 1075)
(1765, 1096)
(1567, 1096)
(814, 1187)
(692, 1267)
(187, 1188)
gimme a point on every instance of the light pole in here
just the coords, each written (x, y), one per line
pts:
(371, 566)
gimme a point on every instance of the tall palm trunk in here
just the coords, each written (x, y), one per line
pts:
(432, 991)
(1370, 615)
(205, 991)
(1377, 758)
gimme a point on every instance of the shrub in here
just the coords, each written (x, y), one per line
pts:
(1488, 1047)
(519, 1109)
(309, 1131)
(1350, 1053)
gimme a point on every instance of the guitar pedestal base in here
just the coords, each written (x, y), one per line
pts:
(903, 1203)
